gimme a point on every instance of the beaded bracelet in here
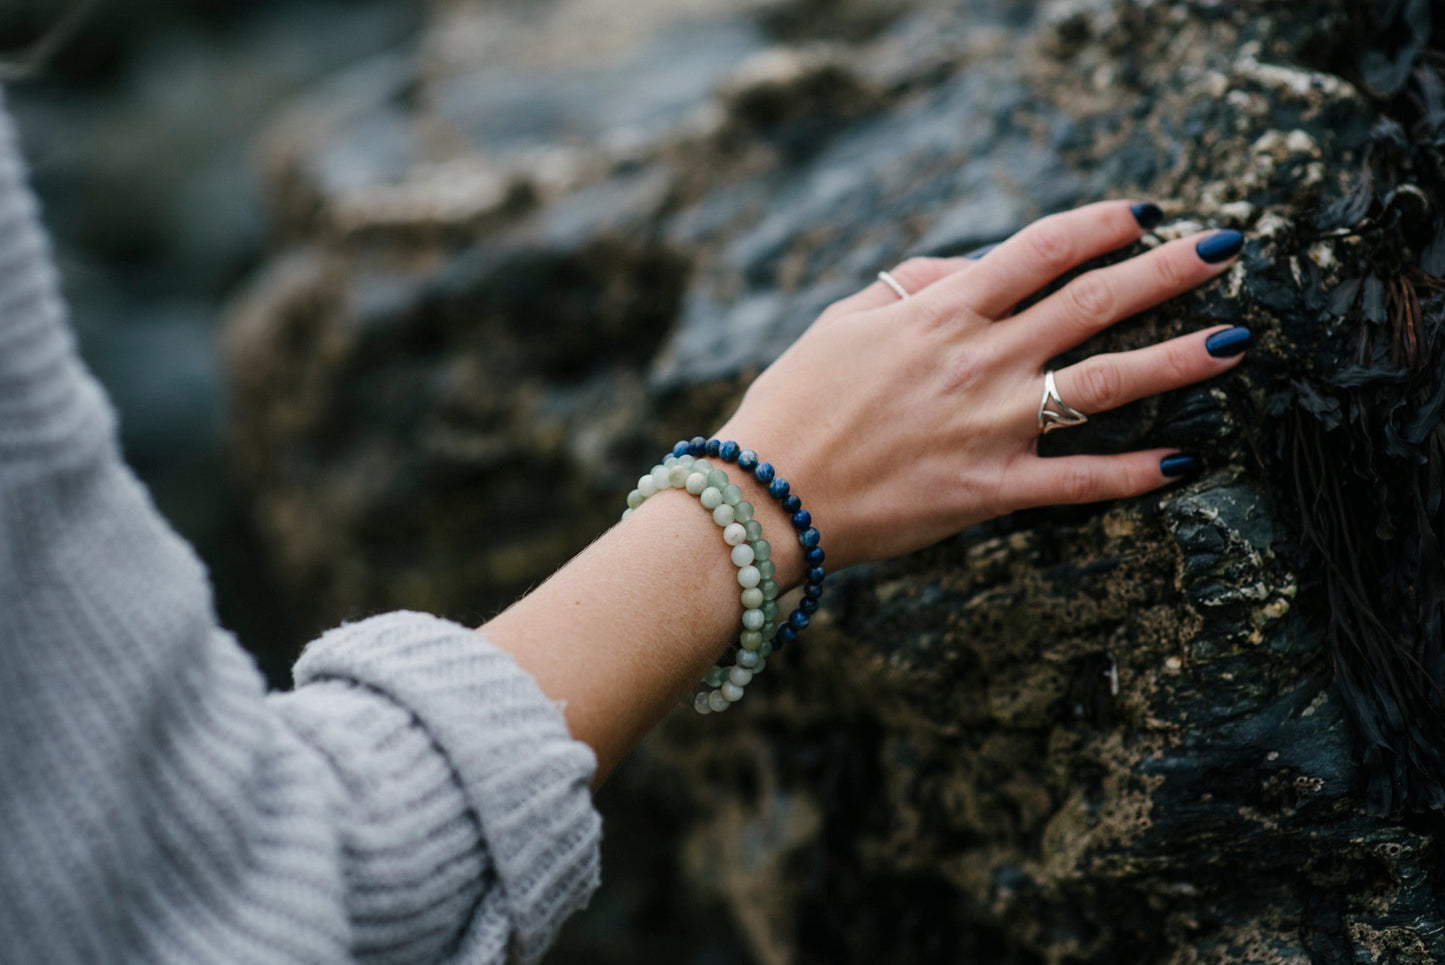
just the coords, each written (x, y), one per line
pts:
(808, 536)
(723, 686)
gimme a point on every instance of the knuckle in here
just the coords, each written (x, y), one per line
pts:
(932, 314)
(1050, 242)
(1180, 364)
(1169, 271)
(1092, 297)
(1080, 484)
(917, 272)
(1102, 382)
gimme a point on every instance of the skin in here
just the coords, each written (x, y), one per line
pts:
(899, 422)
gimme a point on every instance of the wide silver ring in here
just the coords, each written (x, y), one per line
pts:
(1054, 412)
(892, 283)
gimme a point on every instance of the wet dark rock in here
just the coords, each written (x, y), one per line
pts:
(1193, 727)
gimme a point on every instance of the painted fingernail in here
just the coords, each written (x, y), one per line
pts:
(1147, 214)
(1178, 465)
(1220, 246)
(978, 253)
(1229, 343)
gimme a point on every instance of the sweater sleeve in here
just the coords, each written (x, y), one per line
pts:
(415, 798)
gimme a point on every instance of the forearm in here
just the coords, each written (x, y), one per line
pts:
(621, 632)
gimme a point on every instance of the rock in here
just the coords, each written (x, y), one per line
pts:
(1187, 728)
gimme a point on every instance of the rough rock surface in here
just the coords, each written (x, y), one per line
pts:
(517, 268)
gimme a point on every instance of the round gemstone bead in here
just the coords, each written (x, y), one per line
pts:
(752, 598)
(735, 534)
(808, 605)
(763, 473)
(696, 446)
(750, 639)
(731, 692)
(702, 466)
(768, 568)
(717, 479)
(754, 619)
(695, 483)
(717, 701)
(712, 447)
(811, 590)
(815, 574)
(660, 475)
(787, 634)
(634, 499)
(713, 677)
(712, 498)
(680, 448)
(699, 704)
(754, 528)
(764, 652)
(815, 556)
(732, 495)
(802, 519)
(744, 511)
(791, 504)
(762, 549)
(798, 620)
(740, 676)
(810, 537)
(748, 460)
(722, 513)
(742, 554)
(770, 588)
(778, 488)
(626, 513)
(749, 576)
(728, 451)
(647, 486)
(677, 476)
(770, 609)
(769, 629)
(685, 461)
(748, 659)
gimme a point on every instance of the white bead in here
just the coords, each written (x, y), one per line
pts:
(647, 486)
(748, 658)
(752, 598)
(699, 704)
(722, 515)
(754, 619)
(660, 477)
(742, 556)
(669, 462)
(740, 676)
(716, 701)
(731, 692)
(627, 512)
(711, 498)
(749, 576)
(677, 476)
(702, 466)
(735, 534)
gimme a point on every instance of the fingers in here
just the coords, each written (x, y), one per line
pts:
(1040, 253)
(1108, 381)
(1091, 479)
(1097, 299)
(914, 275)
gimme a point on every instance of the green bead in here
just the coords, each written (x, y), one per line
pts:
(732, 495)
(768, 630)
(766, 569)
(751, 639)
(677, 476)
(702, 466)
(717, 479)
(714, 677)
(770, 609)
(752, 526)
(752, 598)
(762, 549)
(635, 499)
(685, 460)
(765, 651)
(770, 590)
(711, 498)
(743, 513)
(754, 619)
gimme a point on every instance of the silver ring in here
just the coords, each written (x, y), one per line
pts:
(1054, 412)
(892, 283)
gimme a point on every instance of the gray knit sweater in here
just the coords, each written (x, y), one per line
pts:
(415, 799)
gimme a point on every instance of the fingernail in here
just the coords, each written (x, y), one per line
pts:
(1229, 343)
(1220, 246)
(1147, 214)
(978, 253)
(1178, 465)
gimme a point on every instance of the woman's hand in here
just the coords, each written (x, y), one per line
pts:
(901, 421)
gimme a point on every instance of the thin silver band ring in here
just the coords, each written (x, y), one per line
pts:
(892, 283)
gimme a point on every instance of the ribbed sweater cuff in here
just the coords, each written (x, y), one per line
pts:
(525, 779)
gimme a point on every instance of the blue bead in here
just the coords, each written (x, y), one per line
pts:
(764, 472)
(808, 605)
(680, 449)
(815, 574)
(786, 633)
(815, 556)
(802, 519)
(810, 538)
(812, 591)
(747, 460)
(697, 446)
(713, 448)
(729, 451)
(798, 620)
(778, 488)
(792, 504)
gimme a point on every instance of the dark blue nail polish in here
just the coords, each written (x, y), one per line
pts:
(1229, 343)
(1178, 465)
(978, 253)
(1147, 214)
(1220, 246)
